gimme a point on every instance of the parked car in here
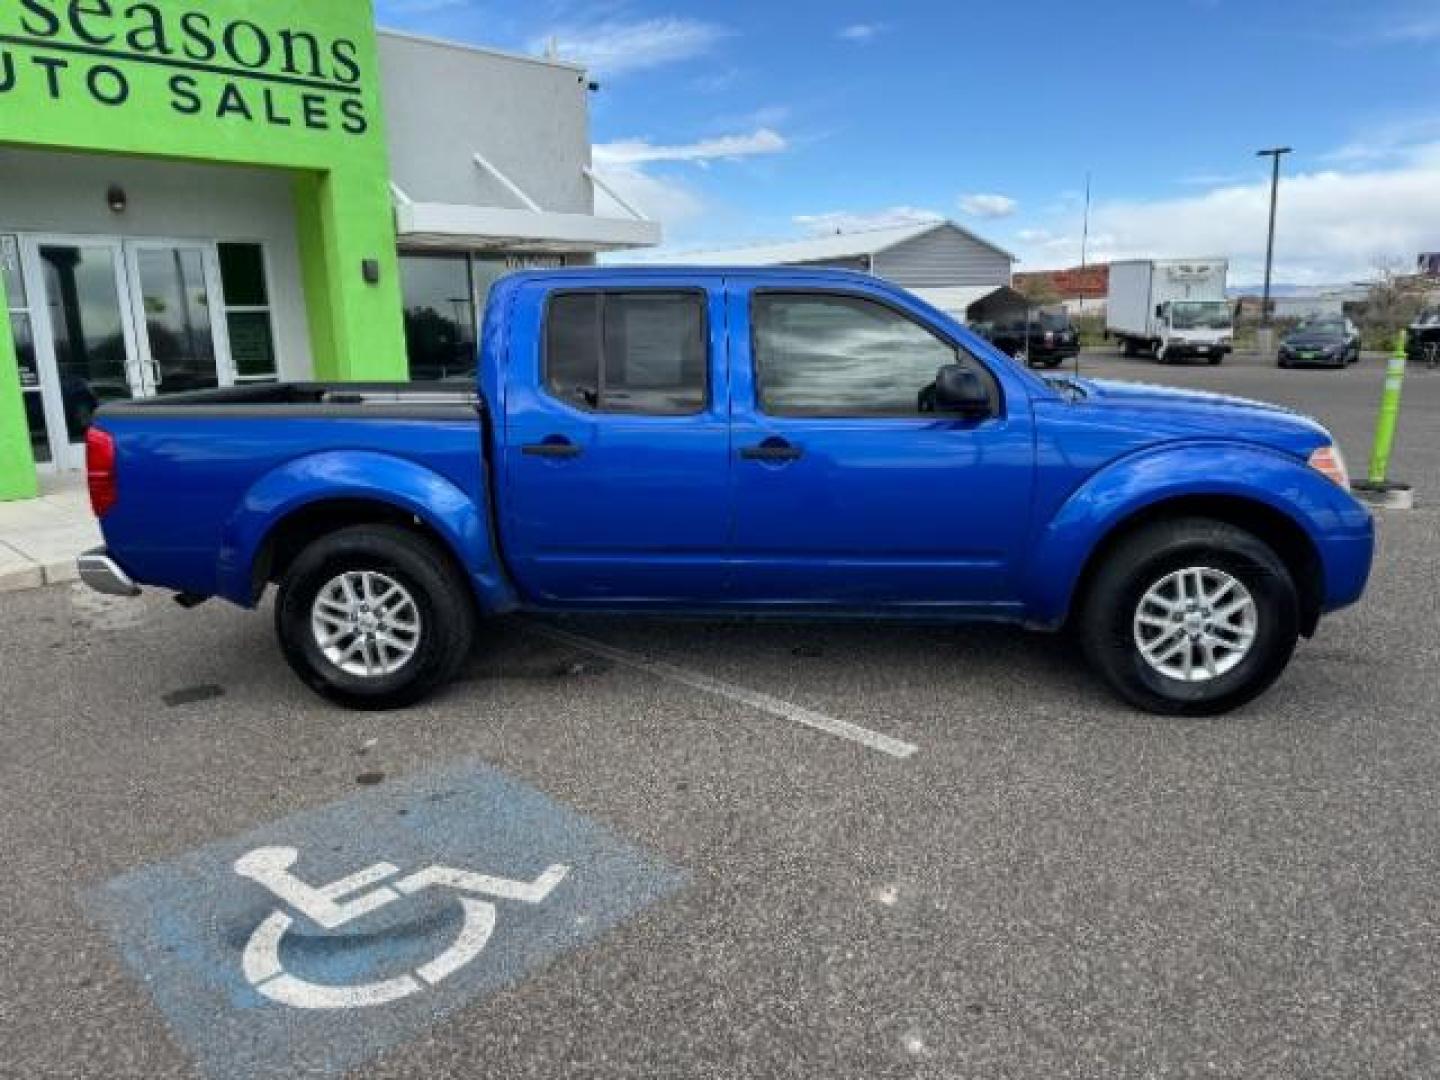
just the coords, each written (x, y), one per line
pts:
(1332, 341)
(1046, 338)
(767, 442)
(1422, 339)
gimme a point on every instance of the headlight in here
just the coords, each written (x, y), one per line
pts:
(1227, 340)
(1328, 461)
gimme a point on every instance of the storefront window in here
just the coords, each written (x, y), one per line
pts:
(247, 311)
(24, 337)
(439, 315)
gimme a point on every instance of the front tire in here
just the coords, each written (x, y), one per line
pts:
(374, 617)
(1192, 617)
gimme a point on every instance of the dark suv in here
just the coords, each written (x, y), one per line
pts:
(1422, 340)
(1047, 337)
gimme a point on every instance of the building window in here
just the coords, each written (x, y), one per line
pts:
(627, 352)
(834, 355)
(439, 315)
(22, 331)
(247, 311)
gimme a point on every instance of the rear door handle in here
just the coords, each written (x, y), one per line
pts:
(772, 450)
(556, 446)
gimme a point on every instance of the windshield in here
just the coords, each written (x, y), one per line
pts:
(1321, 328)
(1200, 315)
(1053, 320)
(1429, 318)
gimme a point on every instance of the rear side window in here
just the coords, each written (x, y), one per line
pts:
(627, 352)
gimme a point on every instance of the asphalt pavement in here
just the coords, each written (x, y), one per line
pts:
(817, 850)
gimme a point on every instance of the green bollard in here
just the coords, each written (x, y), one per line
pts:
(1378, 488)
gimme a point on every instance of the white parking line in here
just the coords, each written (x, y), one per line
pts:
(842, 729)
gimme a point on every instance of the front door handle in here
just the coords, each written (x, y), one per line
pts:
(556, 446)
(774, 450)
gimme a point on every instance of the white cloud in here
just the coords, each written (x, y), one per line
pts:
(847, 221)
(1419, 30)
(988, 206)
(727, 147)
(614, 47)
(666, 199)
(1332, 225)
(627, 165)
(861, 32)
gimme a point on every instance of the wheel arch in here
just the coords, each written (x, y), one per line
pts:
(1279, 530)
(308, 497)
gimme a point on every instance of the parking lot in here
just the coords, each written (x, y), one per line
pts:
(801, 849)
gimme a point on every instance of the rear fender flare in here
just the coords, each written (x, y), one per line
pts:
(460, 519)
(1144, 481)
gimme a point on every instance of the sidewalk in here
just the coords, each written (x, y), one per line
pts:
(39, 538)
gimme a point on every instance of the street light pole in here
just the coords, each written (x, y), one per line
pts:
(1275, 155)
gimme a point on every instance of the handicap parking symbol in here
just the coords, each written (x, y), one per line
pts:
(316, 942)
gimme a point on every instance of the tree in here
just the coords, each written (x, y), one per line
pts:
(1391, 304)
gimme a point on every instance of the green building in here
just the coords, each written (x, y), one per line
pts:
(198, 195)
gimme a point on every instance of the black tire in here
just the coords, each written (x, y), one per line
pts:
(1127, 347)
(441, 596)
(1138, 562)
(1216, 361)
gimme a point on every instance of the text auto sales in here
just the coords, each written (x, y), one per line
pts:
(232, 69)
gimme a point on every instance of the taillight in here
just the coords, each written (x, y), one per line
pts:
(100, 470)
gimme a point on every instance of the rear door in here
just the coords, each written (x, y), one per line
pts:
(616, 442)
(848, 489)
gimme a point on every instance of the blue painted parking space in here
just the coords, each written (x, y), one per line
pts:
(314, 943)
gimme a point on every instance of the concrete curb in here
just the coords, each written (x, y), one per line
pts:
(22, 576)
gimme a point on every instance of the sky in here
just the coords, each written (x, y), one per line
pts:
(761, 120)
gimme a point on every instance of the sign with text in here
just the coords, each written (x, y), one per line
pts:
(204, 63)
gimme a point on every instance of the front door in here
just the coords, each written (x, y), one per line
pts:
(850, 490)
(172, 290)
(115, 320)
(616, 444)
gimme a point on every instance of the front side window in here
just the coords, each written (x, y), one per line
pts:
(834, 355)
(627, 352)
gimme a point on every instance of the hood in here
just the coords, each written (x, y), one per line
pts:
(1167, 412)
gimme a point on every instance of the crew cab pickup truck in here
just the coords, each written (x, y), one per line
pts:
(761, 442)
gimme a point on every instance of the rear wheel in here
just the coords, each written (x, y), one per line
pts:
(1192, 617)
(374, 617)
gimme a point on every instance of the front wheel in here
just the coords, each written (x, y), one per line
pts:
(374, 617)
(1192, 617)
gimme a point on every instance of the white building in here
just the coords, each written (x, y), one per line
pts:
(939, 261)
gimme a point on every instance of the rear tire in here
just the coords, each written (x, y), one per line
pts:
(380, 578)
(1122, 608)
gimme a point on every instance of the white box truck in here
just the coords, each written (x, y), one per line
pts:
(1171, 308)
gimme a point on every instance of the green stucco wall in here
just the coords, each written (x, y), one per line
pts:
(290, 84)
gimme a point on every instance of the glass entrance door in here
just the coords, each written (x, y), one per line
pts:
(114, 320)
(85, 342)
(171, 288)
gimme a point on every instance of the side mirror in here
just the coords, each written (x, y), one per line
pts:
(959, 390)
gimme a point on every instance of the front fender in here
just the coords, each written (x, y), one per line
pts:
(1338, 526)
(458, 517)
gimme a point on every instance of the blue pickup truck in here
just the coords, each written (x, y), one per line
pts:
(780, 443)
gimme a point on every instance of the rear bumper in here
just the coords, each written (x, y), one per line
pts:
(104, 575)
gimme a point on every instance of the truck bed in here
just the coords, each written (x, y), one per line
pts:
(409, 400)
